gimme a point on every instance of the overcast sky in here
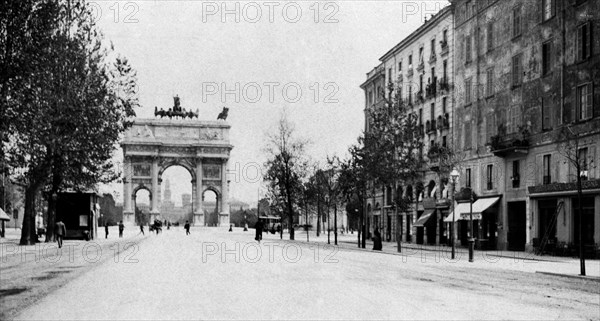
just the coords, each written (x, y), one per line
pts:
(196, 49)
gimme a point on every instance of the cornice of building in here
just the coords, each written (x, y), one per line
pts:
(435, 20)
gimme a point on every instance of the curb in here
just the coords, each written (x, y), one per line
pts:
(486, 252)
(572, 276)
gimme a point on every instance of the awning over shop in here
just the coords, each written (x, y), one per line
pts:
(424, 218)
(458, 208)
(483, 204)
(463, 210)
(3, 216)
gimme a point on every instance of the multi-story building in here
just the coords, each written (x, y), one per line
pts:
(421, 68)
(526, 71)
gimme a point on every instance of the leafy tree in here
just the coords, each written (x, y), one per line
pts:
(285, 168)
(66, 100)
(393, 146)
(354, 179)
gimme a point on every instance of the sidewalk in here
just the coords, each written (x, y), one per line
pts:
(511, 260)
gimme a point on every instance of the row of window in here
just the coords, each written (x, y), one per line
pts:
(443, 44)
(583, 45)
(512, 117)
(548, 11)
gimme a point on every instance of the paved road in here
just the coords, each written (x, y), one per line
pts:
(174, 276)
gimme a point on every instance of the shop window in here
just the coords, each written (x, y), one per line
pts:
(588, 209)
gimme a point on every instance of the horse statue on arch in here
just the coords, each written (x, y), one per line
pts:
(176, 111)
(223, 114)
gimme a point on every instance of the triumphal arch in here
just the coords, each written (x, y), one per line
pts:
(152, 145)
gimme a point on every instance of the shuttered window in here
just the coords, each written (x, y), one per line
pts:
(584, 102)
(584, 41)
(517, 70)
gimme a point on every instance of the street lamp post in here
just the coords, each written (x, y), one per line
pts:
(454, 175)
(472, 236)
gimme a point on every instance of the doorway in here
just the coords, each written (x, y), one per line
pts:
(517, 215)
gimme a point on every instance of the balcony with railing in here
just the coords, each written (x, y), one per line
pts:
(443, 84)
(410, 71)
(504, 145)
(421, 65)
(445, 47)
(431, 89)
(430, 128)
(419, 98)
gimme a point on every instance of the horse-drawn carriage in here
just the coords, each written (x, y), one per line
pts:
(156, 226)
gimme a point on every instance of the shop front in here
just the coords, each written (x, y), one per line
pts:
(556, 215)
(483, 214)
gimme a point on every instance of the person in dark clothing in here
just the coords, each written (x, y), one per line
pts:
(105, 230)
(230, 227)
(60, 231)
(259, 230)
(377, 246)
(121, 228)
(141, 229)
(187, 228)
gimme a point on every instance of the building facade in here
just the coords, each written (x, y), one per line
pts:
(527, 71)
(512, 87)
(420, 67)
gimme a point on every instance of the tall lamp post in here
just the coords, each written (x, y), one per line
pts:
(472, 236)
(454, 175)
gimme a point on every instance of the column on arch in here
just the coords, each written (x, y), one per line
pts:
(155, 188)
(198, 210)
(128, 216)
(224, 217)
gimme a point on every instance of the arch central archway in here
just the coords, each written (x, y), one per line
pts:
(201, 147)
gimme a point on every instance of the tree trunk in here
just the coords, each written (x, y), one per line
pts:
(28, 231)
(581, 246)
(50, 237)
(318, 215)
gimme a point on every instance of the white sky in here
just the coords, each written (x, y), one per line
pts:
(178, 48)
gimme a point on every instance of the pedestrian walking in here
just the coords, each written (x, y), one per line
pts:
(230, 227)
(105, 230)
(259, 231)
(60, 230)
(187, 228)
(121, 228)
(377, 246)
(141, 229)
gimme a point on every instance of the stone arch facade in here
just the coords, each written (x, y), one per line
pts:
(151, 146)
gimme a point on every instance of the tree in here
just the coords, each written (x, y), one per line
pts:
(354, 182)
(285, 168)
(393, 146)
(111, 213)
(571, 147)
(66, 101)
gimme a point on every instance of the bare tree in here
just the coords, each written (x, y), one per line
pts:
(286, 167)
(571, 146)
